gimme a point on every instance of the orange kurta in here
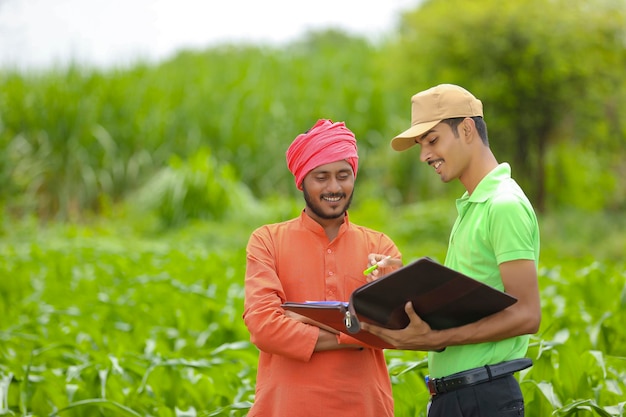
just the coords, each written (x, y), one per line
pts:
(294, 261)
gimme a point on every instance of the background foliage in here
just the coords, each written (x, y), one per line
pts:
(128, 196)
(549, 73)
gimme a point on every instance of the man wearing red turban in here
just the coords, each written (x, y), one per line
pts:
(304, 370)
(325, 142)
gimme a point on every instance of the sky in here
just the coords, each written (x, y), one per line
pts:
(46, 33)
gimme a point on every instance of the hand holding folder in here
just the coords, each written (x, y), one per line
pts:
(442, 297)
(333, 316)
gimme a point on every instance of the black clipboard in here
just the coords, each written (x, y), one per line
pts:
(441, 296)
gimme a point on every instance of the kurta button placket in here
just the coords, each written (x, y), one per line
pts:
(331, 274)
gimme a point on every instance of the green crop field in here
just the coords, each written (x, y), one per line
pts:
(101, 320)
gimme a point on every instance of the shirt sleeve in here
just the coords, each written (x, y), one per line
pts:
(270, 330)
(513, 226)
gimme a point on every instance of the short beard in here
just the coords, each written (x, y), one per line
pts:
(318, 211)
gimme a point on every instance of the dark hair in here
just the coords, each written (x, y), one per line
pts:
(481, 126)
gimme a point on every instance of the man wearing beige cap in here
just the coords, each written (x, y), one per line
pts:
(495, 239)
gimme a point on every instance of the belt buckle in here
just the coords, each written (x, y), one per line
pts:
(432, 387)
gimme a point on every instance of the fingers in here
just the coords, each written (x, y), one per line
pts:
(383, 261)
(414, 318)
(375, 330)
(376, 258)
(292, 315)
(410, 311)
(392, 262)
(375, 262)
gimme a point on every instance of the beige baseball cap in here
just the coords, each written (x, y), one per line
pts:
(431, 106)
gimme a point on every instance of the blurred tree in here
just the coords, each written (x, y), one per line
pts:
(546, 71)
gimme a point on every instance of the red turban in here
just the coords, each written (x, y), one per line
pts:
(324, 143)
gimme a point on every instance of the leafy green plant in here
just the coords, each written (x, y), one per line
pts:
(199, 188)
(109, 320)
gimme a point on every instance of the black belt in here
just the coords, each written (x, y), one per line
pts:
(476, 376)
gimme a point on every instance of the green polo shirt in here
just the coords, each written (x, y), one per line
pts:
(495, 224)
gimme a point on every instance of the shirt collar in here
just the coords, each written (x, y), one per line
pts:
(489, 184)
(315, 227)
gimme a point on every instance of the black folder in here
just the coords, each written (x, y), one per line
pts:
(441, 296)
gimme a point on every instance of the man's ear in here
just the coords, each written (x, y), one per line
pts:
(467, 127)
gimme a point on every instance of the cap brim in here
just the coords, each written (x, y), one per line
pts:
(406, 139)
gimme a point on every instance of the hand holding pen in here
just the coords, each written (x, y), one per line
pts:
(377, 261)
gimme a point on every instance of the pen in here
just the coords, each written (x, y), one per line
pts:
(374, 267)
(370, 269)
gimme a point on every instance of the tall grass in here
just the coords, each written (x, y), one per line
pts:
(73, 138)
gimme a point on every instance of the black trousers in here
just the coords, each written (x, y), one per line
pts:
(501, 397)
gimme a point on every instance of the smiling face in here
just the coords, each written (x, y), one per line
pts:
(328, 191)
(445, 149)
